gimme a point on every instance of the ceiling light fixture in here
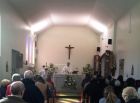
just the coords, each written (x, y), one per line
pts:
(69, 19)
(98, 26)
(40, 25)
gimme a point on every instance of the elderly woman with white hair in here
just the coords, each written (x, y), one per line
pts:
(130, 95)
(15, 77)
(32, 94)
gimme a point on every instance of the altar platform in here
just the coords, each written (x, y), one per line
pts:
(59, 81)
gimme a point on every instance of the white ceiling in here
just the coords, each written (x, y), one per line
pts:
(70, 11)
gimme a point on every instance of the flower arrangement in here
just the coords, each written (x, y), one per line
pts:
(70, 82)
(87, 69)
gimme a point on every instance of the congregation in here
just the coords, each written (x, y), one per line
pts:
(95, 89)
(92, 47)
(29, 89)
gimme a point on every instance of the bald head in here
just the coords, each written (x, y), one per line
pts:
(28, 74)
(17, 88)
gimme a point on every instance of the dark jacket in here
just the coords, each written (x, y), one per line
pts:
(134, 101)
(2, 91)
(32, 94)
(12, 99)
(94, 90)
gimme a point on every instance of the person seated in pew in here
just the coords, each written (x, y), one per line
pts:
(109, 96)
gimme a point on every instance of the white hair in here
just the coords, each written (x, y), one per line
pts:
(28, 74)
(129, 93)
(17, 88)
(16, 77)
(117, 83)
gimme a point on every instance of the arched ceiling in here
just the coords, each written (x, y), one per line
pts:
(74, 12)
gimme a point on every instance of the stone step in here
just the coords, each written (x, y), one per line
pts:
(68, 95)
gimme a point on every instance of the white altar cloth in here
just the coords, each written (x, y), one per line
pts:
(59, 80)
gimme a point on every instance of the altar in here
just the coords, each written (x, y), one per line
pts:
(60, 80)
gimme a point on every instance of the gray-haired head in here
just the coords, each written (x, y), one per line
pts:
(129, 93)
(117, 83)
(28, 74)
(17, 88)
(16, 77)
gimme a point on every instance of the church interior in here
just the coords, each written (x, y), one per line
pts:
(96, 37)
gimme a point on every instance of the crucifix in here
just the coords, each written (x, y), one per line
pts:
(69, 50)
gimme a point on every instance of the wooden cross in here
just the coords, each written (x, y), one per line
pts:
(69, 50)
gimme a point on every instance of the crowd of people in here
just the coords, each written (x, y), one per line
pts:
(40, 88)
(29, 89)
(97, 89)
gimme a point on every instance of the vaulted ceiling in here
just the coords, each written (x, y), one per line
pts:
(105, 11)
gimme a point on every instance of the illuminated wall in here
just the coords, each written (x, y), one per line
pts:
(0, 35)
(128, 41)
(30, 49)
(13, 36)
(51, 46)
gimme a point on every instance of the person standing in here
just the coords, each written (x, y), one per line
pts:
(15, 77)
(32, 94)
(109, 96)
(43, 72)
(130, 95)
(67, 69)
(17, 90)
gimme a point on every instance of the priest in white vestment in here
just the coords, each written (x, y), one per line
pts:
(67, 69)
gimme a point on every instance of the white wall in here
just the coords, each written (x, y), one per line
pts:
(51, 46)
(104, 39)
(0, 34)
(128, 41)
(13, 36)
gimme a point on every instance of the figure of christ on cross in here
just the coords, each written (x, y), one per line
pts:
(69, 50)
